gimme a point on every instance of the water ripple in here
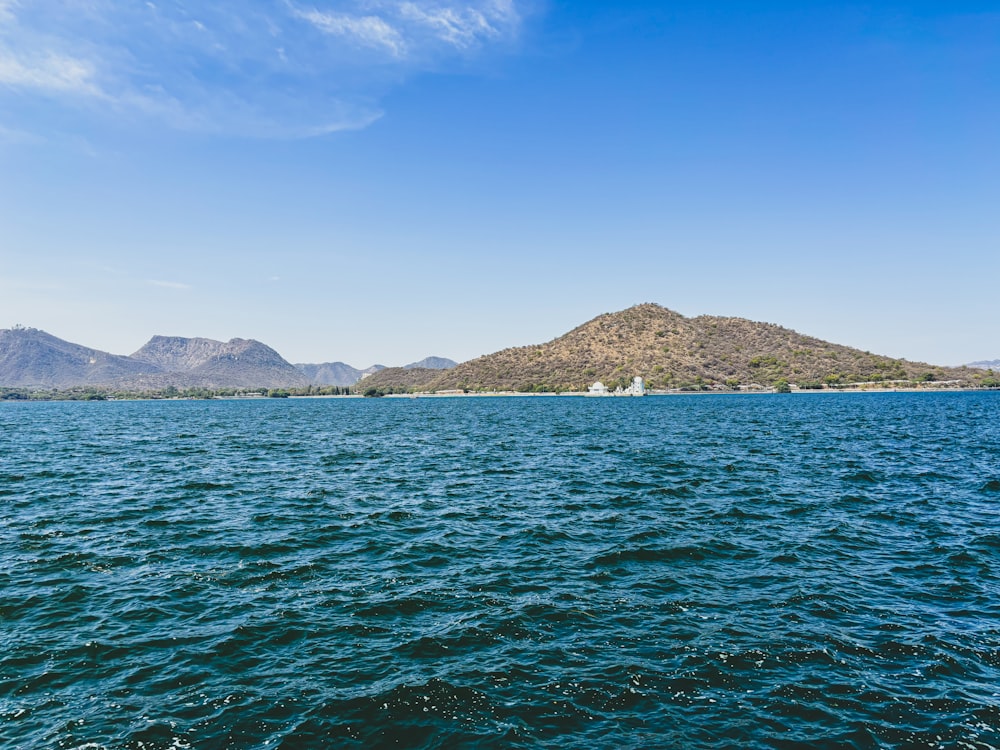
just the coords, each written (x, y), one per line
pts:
(752, 572)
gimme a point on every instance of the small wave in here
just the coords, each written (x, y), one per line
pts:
(963, 558)
(401, 607)
(988, 542)
(744, 515)
(862, 477)
(436, 647)
(935, 475)
(683, 553)
(631, 484)
(345, 457)
(853, 499)
(786, 558)
(681, 491)
(204, 486)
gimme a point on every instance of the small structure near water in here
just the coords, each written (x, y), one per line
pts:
(636, 388)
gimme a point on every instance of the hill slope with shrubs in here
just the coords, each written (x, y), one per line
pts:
(671, 351)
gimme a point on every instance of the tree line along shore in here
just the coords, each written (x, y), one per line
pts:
(989, 382)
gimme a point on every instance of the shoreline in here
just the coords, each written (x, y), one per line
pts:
(517, 394)
(584, 394)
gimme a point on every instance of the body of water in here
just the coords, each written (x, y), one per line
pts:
(691, 572)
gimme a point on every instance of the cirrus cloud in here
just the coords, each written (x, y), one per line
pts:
(49, 72)
(269, 68)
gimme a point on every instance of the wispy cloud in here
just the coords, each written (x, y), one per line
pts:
(7, 10)
(464, 26)
(50, 72)
(170, 285)
(370, 31)
(272, 68)
(413, 30)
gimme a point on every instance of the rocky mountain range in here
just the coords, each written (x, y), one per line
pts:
(35, 359)
(339, 373)
(432, 363)
(986, 364)
(669, 351)
(336, 373)
(30, 358)
(239, 363)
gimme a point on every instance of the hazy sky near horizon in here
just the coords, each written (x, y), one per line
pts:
(383, 180)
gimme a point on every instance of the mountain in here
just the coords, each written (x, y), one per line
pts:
(178, 354)
(240, 363)
(335, 373)
(662, 346)
(671, 351)
(986, 364)
(432, 363)
(330, 373)
(339, 373)
(398, 379)
(30, 358)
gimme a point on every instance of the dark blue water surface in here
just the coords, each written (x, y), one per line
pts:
(703, 571)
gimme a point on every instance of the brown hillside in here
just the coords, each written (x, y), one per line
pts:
(397, 379)
(671, 351)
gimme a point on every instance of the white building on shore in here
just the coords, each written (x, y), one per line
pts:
(637, 388)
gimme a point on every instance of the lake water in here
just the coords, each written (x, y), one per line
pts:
(699, 571)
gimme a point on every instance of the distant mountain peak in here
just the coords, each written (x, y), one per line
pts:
(339, 373)
(432, 363)
(331, 373)
(237, 362)
(31, 358)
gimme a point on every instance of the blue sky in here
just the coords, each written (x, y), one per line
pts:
(382, 180)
